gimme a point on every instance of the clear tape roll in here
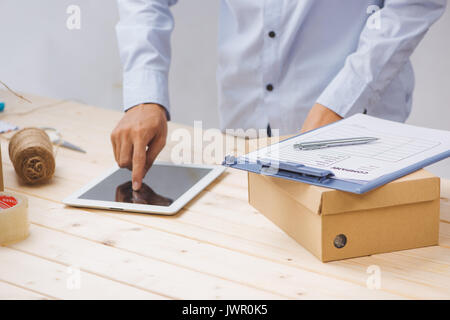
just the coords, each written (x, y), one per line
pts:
(14, 225)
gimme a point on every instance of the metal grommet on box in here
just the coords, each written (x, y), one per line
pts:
(340, 241)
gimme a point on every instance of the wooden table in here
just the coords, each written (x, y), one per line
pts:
(218, 247)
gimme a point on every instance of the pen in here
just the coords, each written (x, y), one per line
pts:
(312, 145)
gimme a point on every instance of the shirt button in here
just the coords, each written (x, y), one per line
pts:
(272, 34)
(269, 87)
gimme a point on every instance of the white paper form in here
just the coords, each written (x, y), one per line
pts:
(398, 147)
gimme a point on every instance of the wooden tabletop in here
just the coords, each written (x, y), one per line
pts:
(218, 247)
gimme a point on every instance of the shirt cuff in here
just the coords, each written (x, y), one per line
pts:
(146, 86)
(348, 93)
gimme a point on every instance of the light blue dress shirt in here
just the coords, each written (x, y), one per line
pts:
(279, 57)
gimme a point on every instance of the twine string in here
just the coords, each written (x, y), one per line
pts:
(31, 153)
(14, 93)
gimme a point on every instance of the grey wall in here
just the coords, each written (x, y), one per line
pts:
(40, 55)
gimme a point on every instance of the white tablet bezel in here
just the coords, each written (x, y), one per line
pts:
(74, 200)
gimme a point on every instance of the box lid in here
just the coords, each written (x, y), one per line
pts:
(416, 187)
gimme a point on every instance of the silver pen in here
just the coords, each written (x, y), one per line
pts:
(312, 145)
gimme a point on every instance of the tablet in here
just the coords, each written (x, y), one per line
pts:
(165, 189)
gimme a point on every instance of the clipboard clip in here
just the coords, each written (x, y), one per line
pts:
(296, 170)
(291, 170)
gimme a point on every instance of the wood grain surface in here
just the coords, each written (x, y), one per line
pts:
(217, 247)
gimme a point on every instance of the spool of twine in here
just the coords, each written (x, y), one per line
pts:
(31, 153)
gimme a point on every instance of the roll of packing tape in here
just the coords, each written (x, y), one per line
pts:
(14, 225)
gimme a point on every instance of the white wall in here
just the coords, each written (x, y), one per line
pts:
(40, 55)
(431, 106)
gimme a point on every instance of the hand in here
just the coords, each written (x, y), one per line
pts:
(138, 138)
(319, 116)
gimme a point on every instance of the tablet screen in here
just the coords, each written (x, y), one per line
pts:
(162, 185)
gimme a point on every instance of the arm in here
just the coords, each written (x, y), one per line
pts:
(144, 42)
(143, 35)
(381, 53)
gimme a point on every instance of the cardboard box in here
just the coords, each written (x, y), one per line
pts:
(336, 225)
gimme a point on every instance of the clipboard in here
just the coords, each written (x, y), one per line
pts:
(322, 177)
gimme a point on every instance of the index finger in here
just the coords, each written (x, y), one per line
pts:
(138, 170)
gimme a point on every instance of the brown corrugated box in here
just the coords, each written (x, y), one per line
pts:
(336, 225)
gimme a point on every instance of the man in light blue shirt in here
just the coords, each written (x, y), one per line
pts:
(285, 64)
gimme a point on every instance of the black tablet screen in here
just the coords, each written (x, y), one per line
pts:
(162, 185)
